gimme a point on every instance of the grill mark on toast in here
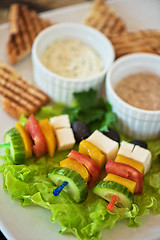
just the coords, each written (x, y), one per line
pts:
(12, 108)
(13, 89)
(25, 25)
(25, 34)
(138, 41)
(16, 98)
(22, 85)
(102, 17)
(19, 96)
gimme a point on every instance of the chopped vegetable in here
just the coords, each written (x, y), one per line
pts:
(131, 162)
(93, 169)
(76, 187)
(109, 189)
(90, 150)
(49, 136)
(33, 128)
(26, 139)
(126, 171)
(131, 185)
(76, 166)
(16, 145)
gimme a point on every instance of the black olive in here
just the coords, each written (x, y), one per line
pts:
(139, 143)
(112, 134)
(81, 130)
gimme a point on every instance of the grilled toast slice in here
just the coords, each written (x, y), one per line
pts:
(25, 24)
(17, 95)
(138, 41)
(102, 17)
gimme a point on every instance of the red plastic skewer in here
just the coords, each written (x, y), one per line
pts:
(111, 205)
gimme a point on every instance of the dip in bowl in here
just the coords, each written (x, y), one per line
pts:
(138, 116)
(70, 57)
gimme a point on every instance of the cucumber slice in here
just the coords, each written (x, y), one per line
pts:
(76, 187)
(17, 148)
(107, 189)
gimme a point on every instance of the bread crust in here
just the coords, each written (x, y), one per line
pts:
(17, 95)
(25, 24)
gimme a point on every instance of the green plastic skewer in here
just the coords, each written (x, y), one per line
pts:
(5, 145)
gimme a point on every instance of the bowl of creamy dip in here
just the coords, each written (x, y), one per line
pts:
(133, 89)
(70, 57)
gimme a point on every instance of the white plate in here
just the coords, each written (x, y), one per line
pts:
(33, 223)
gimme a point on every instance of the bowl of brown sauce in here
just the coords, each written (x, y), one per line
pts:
(133, 89)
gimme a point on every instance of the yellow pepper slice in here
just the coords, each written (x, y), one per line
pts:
(131, 162)
(48, 133)
(90, 150)
(76, 166)
(26, 139)
(131, 185)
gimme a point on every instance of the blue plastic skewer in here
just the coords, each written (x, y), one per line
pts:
(57, 191)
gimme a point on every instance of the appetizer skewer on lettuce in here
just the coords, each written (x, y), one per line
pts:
(124, 171)
(30, 184)
(88, 162)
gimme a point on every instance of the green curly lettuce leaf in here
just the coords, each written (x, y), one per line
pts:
(30, 184)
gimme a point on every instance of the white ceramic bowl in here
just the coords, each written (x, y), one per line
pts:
(132, 121)
(59, 88)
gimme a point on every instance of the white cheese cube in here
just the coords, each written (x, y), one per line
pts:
(126, 149)
(108, 146)
(61, 121)
(143, 156)
(65, 138)
(136, 153)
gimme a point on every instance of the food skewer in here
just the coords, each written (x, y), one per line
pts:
(4, 145)
(111, 204)
(124, 175)
(58, 190)
(87, 163)
(89, 158)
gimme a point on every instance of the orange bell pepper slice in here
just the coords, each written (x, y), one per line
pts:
(131, 162)
(126, 171)
(49, 136)
(26, 139)
(131, 185)
(90, 150)
(76, 166)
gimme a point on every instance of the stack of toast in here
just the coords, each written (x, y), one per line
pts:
(25, 24)
(17, 95)
(102, 17)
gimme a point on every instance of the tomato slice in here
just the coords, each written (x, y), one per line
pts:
(93, 169)
(126, 171)
(33, 128)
